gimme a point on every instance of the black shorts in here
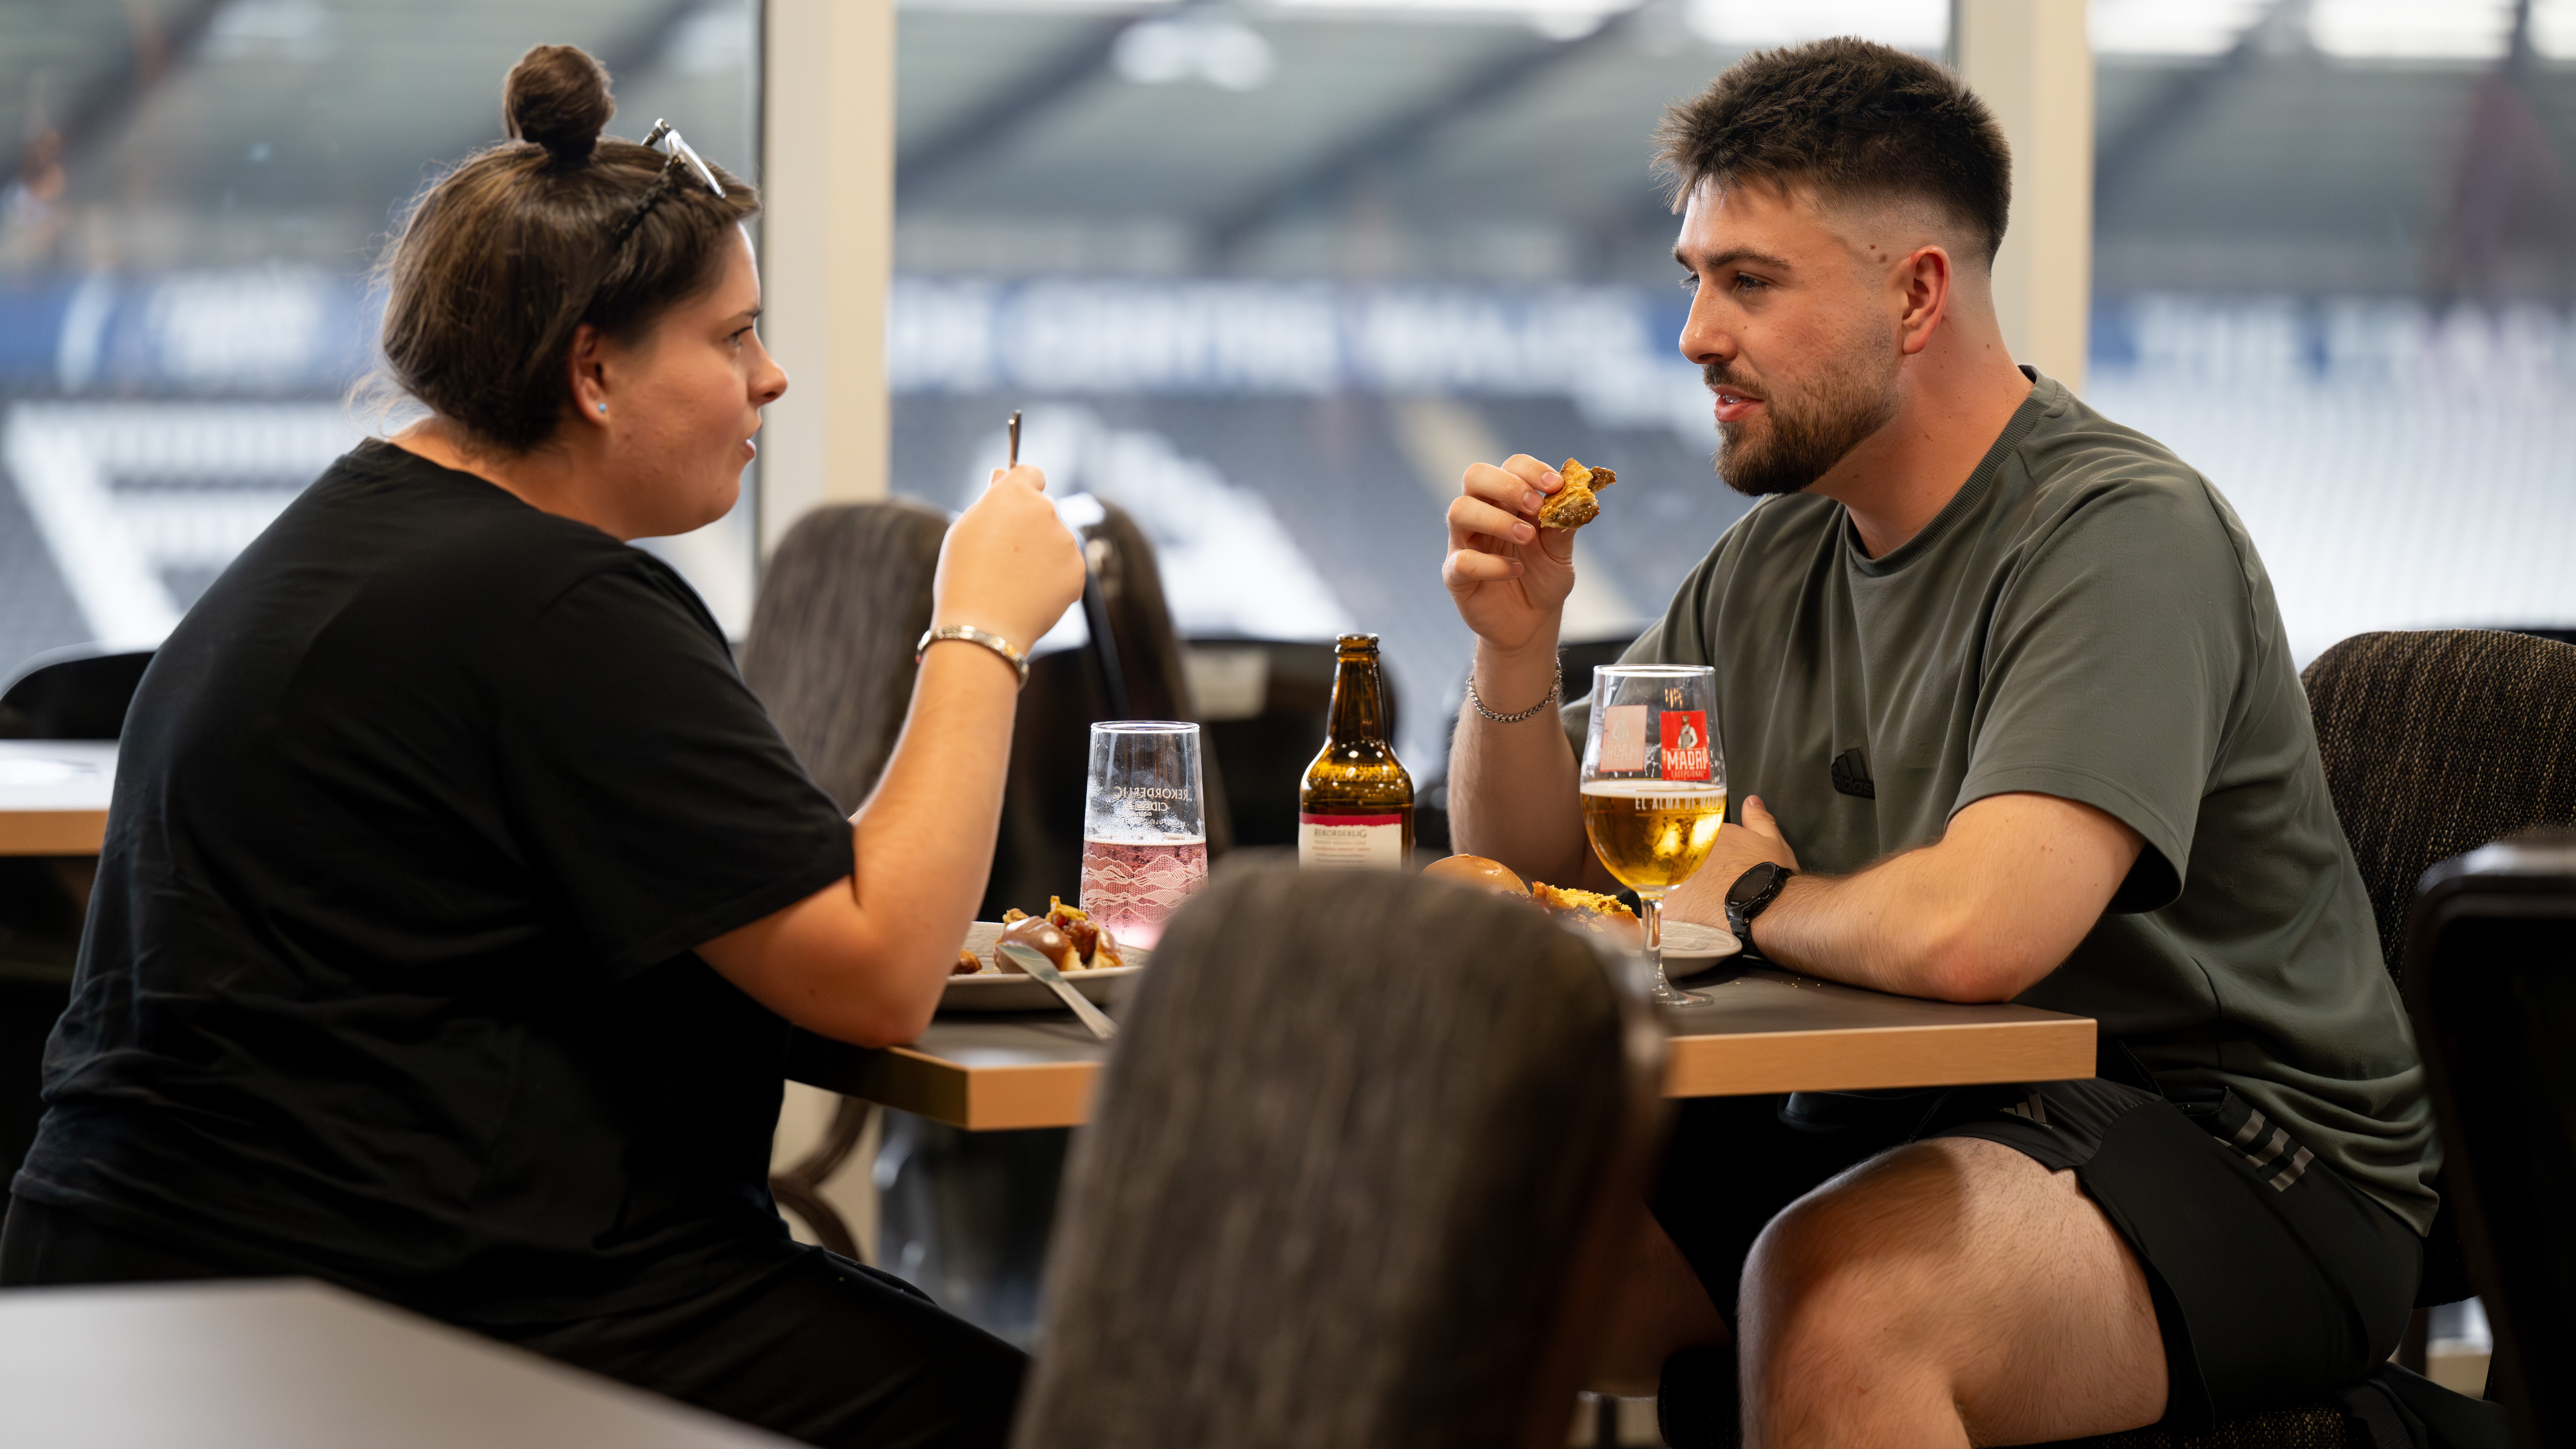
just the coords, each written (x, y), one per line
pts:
(2275, 1281)
(818, 1348)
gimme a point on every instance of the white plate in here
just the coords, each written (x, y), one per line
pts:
(1000, 992)
(1690, 946)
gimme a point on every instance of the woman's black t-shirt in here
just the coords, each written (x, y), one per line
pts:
(388, 975)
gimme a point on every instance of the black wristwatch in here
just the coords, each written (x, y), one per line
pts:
(1751, 895)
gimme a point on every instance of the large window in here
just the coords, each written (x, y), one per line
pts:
(1270, 273)
(1277, 271)
(201, 188)
(2335, 248)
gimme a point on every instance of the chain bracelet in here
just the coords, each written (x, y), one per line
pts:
(1554, 693)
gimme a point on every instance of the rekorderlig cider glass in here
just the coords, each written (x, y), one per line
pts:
(1355, 807)
(1144, 826)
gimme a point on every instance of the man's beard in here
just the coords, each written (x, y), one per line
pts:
(1783, 449)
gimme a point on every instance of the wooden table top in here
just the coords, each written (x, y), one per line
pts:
(1767, 1031)
(53, 795)
(280, 1364)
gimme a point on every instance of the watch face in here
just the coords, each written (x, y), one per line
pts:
(1751, 883)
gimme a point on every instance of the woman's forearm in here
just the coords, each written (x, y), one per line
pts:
(925, 835)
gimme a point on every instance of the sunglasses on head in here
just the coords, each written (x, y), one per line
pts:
(666, 139)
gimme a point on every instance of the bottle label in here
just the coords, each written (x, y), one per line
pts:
(1684, 753)
(1366, 842)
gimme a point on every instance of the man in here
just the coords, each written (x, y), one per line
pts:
(2004, 695)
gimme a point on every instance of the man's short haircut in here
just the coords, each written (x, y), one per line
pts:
(1854, 120)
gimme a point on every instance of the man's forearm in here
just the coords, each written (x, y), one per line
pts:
(1883, 928)
(1983, 914)
(1513, 791)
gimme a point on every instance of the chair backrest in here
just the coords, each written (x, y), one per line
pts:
(1131, 669)
(2437, 742)
(841, 605)
(1128, 590)
(75, 693)
(1352, 1174)
(2491, 950)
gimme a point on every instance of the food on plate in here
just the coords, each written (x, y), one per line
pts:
(968, 963)
(1576, 504)
(1063, 935)
(1038, 934)
(1591, 910)
(1476, 870)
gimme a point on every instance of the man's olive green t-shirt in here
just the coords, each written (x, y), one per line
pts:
(2085, 619)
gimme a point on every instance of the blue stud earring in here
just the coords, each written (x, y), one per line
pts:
(603, 407)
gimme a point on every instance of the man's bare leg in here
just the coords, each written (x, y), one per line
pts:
(1657, 1308)
(1949, 1292)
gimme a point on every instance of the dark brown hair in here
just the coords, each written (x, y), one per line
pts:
(503, 257)
(1853, 119)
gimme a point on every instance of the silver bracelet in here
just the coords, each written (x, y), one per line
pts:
(1554, 692)
(972, 635)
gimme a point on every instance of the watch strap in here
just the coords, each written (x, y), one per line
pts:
(1742, 906)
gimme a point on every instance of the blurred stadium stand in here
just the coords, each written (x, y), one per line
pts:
(1269, 273)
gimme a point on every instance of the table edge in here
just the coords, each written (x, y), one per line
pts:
(71, 831)
(1008, 1095)
(1739, 1064)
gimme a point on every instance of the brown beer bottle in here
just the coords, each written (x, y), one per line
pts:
(1355, 807)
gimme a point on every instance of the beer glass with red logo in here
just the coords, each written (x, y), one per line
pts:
(1654, 788)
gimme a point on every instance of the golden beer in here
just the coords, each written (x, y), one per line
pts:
(1652, 833)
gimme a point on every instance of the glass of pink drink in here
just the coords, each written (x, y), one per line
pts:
(1144, 827)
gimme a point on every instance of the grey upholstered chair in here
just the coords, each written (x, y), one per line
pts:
(1351, 1176)
(2435, 742)
(831, 654)
(841, 605)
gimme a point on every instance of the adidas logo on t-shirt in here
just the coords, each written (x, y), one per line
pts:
(1851, 775)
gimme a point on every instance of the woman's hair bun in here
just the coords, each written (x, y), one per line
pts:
(557, 96)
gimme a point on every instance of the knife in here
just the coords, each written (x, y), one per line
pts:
(1034, 962)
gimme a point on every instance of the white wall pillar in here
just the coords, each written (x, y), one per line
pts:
(2033, 62)
(827, 242)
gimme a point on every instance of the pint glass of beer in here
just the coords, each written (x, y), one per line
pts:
(1654, 788)
(1144, 826)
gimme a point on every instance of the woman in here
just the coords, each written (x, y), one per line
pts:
(458, 897)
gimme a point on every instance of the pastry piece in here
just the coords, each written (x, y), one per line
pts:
(968, 963)
(1577, 503)
(1591, 910)
(1476, 870)
(1091, 942)
(1063, 935)
(1038, 934)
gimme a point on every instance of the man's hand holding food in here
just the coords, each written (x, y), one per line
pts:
(1509, 577)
